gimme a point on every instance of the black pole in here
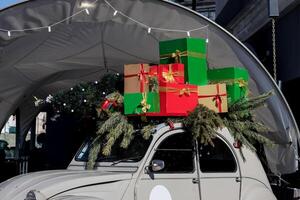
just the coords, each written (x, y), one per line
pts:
(18, 134)
(194, 4)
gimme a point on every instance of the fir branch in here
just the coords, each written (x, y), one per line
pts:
(128, 136)
(203, 123)
(147, 131)
(110, 123)
(93, 154)
(241, 124)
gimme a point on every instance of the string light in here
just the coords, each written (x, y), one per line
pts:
(103, 92)
(84, 100)
(71, 89)
(72, 110)
(87, 11)
(115, 12)
(82, 89)
(96, 82)
(207, 40)
(64, 104)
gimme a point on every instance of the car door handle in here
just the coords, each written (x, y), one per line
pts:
(195, 180)
(238, 179)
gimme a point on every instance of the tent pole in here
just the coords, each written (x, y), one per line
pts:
(33, 134)
(18, 135)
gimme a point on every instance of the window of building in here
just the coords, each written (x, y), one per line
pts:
(177, 153)
(216, 159)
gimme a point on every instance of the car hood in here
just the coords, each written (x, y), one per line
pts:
(50, 183)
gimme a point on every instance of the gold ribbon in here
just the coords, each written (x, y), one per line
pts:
(241, 82)
(168, 76)
(183, 91)
(145, 106)
(178, 54)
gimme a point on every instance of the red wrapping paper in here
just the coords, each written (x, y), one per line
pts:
(176, 99)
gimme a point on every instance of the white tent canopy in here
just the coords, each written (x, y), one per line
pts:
(41, 60)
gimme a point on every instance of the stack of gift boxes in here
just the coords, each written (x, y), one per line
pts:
(181, 81)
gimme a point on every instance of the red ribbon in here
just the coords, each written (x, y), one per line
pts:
(107, 104)
(142, 75)
(217, 98)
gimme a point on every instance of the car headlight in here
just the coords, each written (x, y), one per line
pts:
(34, 195)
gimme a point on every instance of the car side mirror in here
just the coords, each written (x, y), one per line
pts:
(157, 165)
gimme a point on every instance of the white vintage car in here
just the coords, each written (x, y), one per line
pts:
(168, 166)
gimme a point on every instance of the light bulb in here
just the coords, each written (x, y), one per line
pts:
(115, 13)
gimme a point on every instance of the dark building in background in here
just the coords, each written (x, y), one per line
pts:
(249, 21)
(205, 7)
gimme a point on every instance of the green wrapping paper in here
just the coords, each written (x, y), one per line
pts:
(134, 104)
(189, 51)
(236, 80)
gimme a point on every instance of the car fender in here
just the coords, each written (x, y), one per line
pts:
(73, 197)
(254, 189)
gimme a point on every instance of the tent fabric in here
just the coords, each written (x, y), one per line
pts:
(85, 47)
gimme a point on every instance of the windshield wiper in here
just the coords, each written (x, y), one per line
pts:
(126, 159)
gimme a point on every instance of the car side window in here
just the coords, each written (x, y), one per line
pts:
(217, 158)
(177, 153)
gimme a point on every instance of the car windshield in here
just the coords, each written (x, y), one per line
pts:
(134, 153)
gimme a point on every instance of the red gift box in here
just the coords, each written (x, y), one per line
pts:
(169, 73)
(176, 99)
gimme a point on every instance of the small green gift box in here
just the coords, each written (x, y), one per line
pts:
(189, 51)
(236, 80)
(141, 103)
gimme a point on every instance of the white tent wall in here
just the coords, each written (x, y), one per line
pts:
(85, 46)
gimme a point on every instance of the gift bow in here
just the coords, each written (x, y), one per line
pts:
(242, 83)
(178, 54)
(108, 103)
(142, 77)
(217, 98)
(218, 101)
(169, 76)
(145, 106)
(183, 91)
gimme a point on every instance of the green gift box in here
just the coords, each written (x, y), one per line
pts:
(236, 80)
(134, 103)
(189, 51)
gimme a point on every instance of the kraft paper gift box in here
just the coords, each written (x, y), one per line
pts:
(214, 97)
(136, 78)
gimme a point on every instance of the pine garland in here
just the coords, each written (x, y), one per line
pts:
(116, 129)
(243, 126)
(203, 123)
(110, 131)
